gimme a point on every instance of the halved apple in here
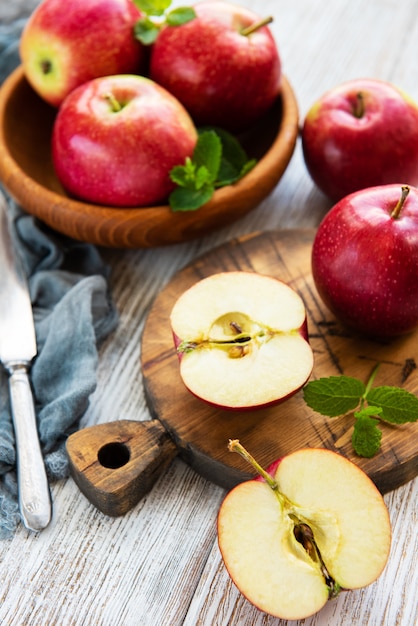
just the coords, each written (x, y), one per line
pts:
(294, 540)
(242, 340)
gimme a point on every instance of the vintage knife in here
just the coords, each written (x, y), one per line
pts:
(17, 349)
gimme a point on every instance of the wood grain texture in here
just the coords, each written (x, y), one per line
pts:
(159, 563)
(117, 463)
(201, 432)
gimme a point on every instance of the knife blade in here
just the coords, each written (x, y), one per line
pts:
(17, 350)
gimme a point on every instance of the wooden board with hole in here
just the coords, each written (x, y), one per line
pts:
(201, 432)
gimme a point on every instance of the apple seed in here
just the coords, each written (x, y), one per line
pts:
(235, 327)
(304, 535)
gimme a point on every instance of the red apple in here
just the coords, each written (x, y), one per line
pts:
(223, 75)
(365, 260)
(65, 44)
(293, 541)
(242, 340)
(116, 138)
(361, 134)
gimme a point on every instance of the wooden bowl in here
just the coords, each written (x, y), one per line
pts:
(27, 173)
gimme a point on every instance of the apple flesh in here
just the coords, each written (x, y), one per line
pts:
(116, 138)
(65, 44)
(360, 134)
(223, 76)
(365, 260)
(292, 542)
(242, 340)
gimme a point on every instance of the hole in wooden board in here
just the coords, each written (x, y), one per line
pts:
(114, 455)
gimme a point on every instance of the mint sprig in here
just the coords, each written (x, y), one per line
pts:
(147, 28)
(337, 395)
(217, 160)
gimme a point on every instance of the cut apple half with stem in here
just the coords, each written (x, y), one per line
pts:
(295, 539)
(242, 340)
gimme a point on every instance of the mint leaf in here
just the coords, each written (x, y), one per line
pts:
(337, 395)
(208, 153)
(180, 16)
(196, 178)
(234, 162)
(203, 177)
(366, 438)
(152, 7)
(184, 175)
(145, 31)
(186, 199)
(398, 405)
(217, 160)
(371, 411)
(333, 396)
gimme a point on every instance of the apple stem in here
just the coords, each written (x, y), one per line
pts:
(398, 208)
(256, 26)
(114, 104)
(358, 110)
(235, 446)
(46, 67)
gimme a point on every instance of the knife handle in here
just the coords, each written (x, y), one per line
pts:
(34, 495)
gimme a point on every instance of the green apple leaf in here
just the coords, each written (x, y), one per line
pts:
(398, 406)
(334, 396)
(367, 436)
(152, 7)
(180, 16)
(145, 31)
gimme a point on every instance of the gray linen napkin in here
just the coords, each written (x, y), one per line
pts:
(73, 313)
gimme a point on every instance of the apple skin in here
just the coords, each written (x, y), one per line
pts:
(222, 77)
(365, 262)
(345, 153)
(65, 44)
(120, 158)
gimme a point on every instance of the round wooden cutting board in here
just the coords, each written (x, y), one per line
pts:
(201, 433)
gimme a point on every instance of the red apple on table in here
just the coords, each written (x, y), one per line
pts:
(360, 134)
(241, 339)
(294, 540)
(65, 44)
(116, 138)
(365, 260)
(223, 75)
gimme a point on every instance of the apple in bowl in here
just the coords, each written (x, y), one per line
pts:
(360, 134)
(65, 44)
(313, 526)
(365, 260)
(116, 138)
(242, 340)
(223, 65)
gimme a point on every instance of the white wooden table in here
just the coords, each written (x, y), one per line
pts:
(159, 565)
